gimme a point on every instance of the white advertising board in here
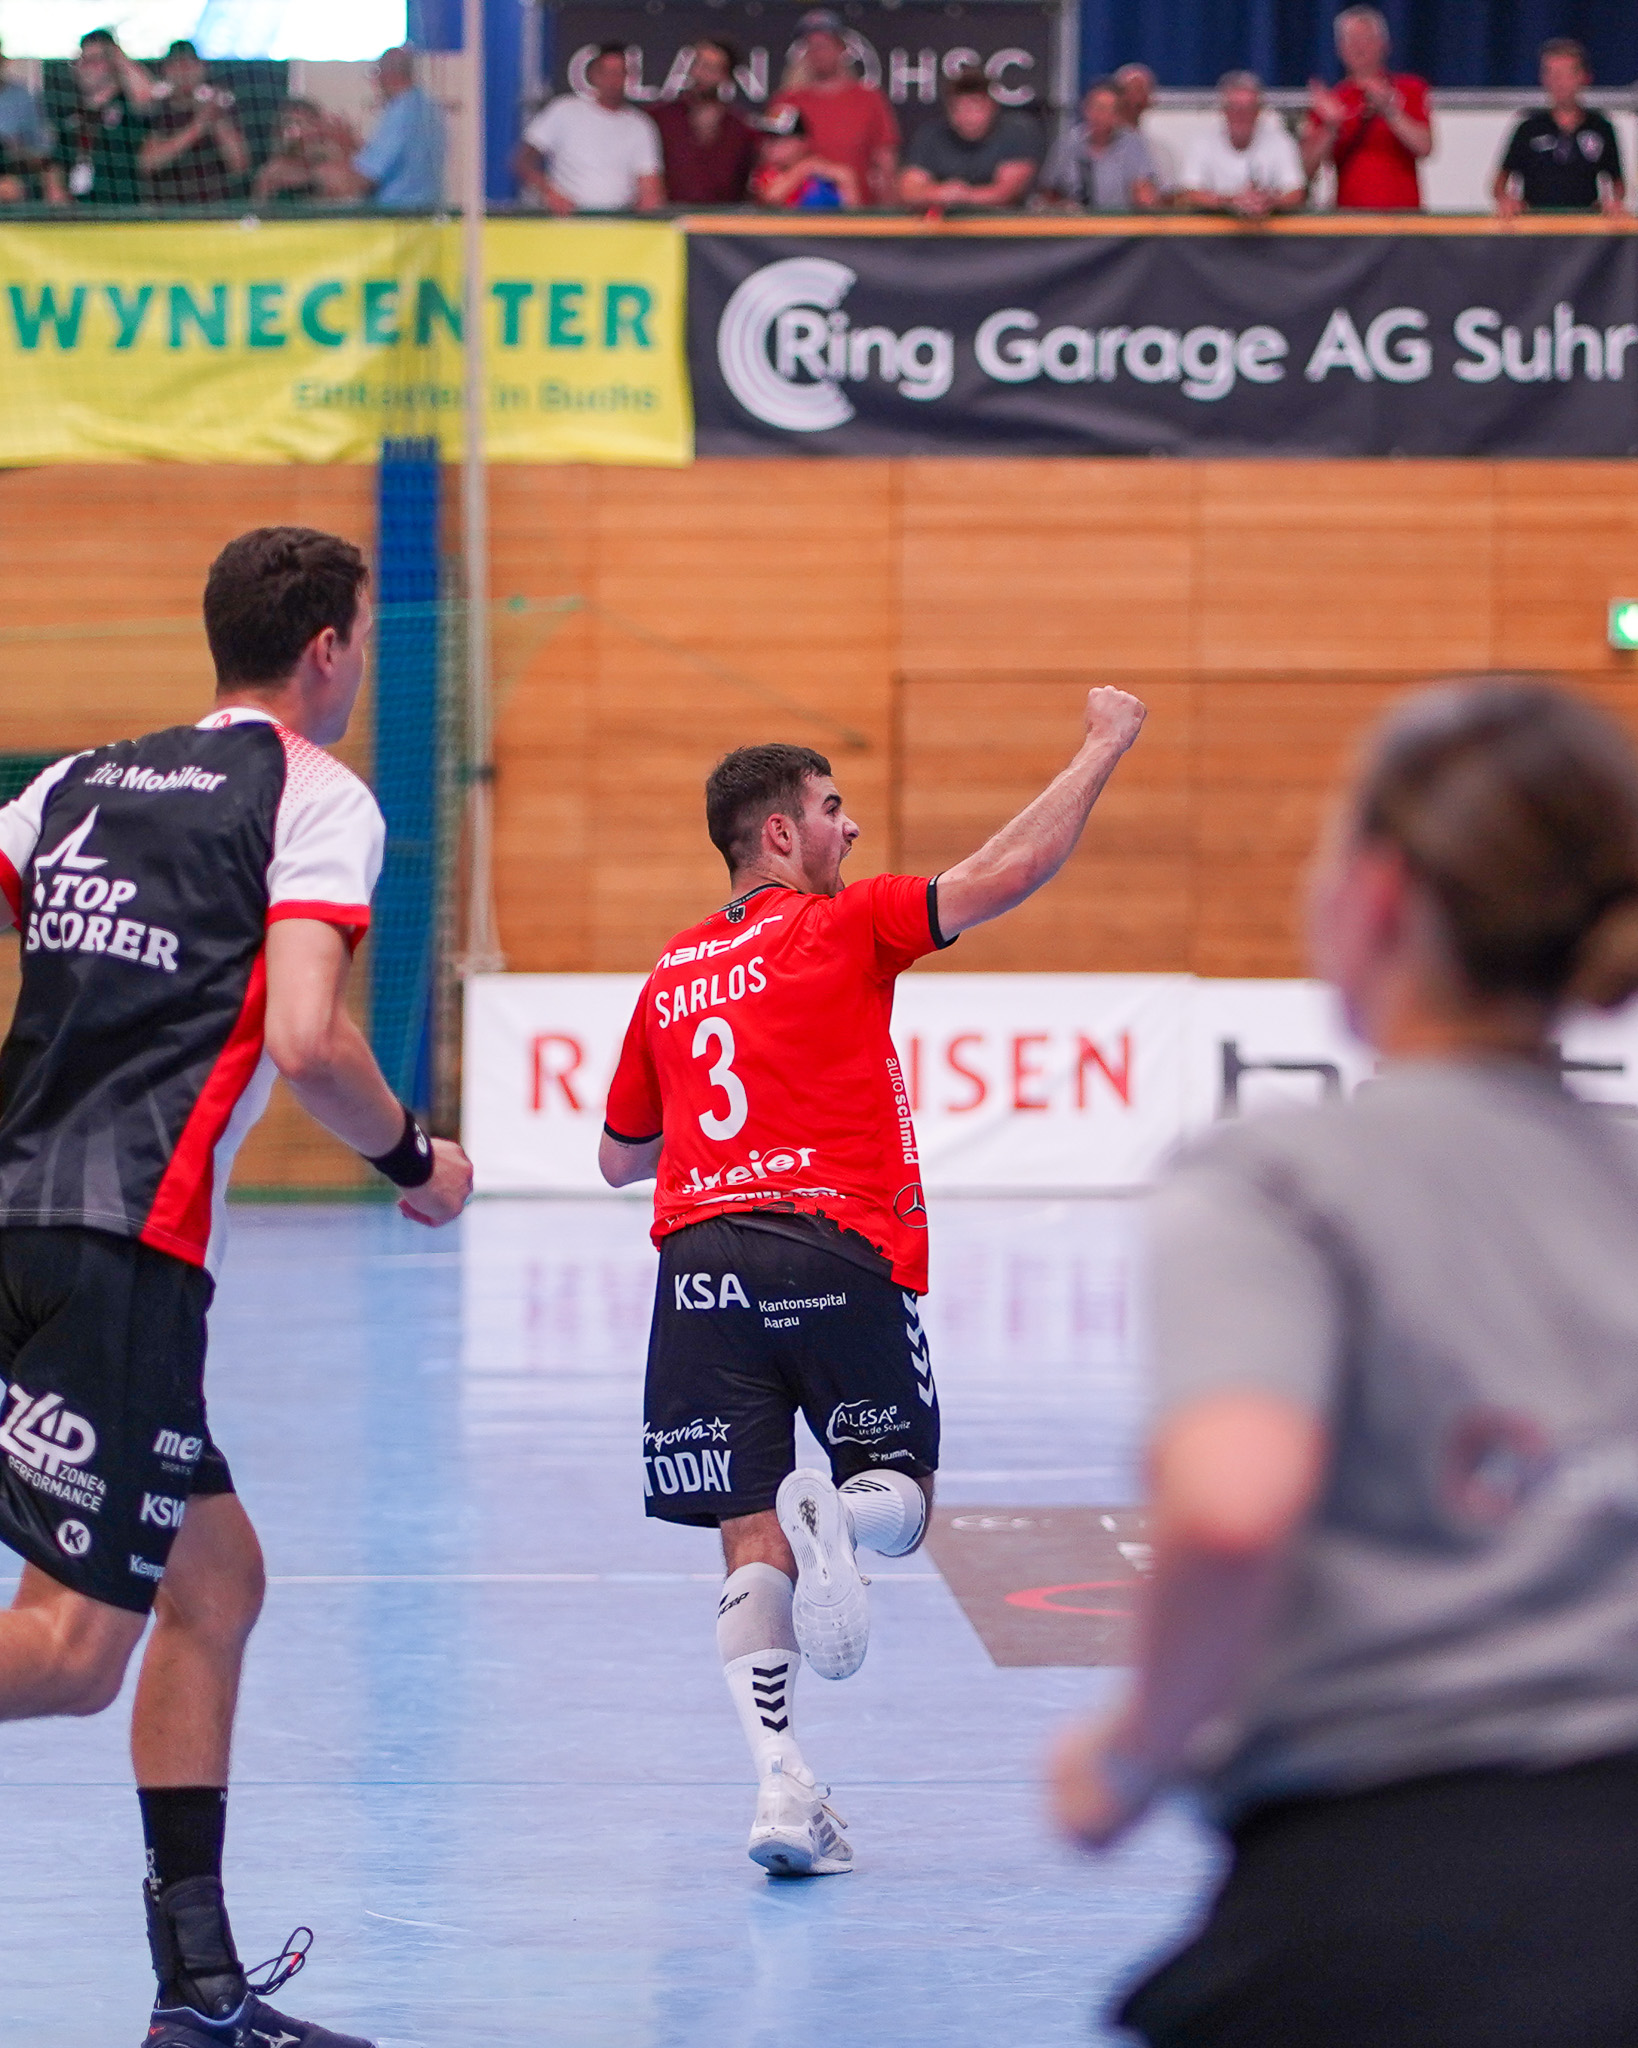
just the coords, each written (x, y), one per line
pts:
(1068, 1083)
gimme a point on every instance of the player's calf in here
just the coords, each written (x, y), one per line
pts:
(887, 1510)
(794, 1834)
(61, 1652)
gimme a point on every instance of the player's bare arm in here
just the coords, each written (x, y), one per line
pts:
(1025, 854)
(622, 1165)
(330, 1069)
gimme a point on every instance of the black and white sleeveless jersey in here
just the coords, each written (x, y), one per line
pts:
(143, 877)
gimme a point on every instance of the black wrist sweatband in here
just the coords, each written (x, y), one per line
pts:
(409, 1163)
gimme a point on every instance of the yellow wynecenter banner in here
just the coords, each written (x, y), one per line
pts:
(222, 341)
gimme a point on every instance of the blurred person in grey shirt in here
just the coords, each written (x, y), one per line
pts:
(1392, 1629)
(1099, 163)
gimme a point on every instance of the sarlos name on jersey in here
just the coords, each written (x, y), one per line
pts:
(77, 910)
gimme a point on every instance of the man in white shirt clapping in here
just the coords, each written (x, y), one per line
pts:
(1247, 164)
(594, 155)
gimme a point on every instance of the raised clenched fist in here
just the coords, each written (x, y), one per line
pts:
(1113, 717)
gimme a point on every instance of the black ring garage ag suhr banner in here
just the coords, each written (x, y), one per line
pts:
(1164, 345)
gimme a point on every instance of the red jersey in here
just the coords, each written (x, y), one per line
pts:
(1374, 168)
(760, 1050)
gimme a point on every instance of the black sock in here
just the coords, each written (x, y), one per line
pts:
(183, 1827)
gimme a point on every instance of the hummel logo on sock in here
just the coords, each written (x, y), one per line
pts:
(768, 1690)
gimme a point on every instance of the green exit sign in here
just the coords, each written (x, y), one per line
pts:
(1624, 622)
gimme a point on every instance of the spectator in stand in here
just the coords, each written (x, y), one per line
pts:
(1099, 164)
(595, 155)
(975, 156)
(314, 158)
(1245, 165)
(1376, 126)
(27, 156)
(196, 153)
(1136, 85)
(402, 164)
(112, 100)
(1565, 157)
(791, 172)
(708, 148)
(848, 122)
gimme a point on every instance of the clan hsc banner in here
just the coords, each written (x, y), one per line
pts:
(1165, 344)
(216, 341)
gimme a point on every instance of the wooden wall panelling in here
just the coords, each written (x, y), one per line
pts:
(1345, 565)
(1566, 544)
(978, 748)
(544, 550)
(732, 606)
(1053, 566)
(1270, 752)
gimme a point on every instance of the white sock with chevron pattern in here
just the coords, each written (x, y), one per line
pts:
(888, 1510)
(760, 1661)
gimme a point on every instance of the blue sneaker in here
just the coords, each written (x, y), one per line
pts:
(205, 1998)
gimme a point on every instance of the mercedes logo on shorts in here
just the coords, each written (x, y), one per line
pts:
(910, 1206)
(74, 1537)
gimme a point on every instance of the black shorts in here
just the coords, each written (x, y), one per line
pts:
(749, 1327)
(1483, 1909)
(103, 1438)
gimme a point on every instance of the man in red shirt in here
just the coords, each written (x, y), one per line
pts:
(759, 1083)
(849, 122)
(1376, 126)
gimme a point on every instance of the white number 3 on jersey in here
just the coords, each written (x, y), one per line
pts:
(715, 1031)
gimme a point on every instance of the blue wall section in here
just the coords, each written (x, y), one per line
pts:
(1457, 43)
(403, 927)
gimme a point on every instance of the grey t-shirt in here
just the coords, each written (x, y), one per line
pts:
(943, 154)
(1445, 1270)
(1101, 180)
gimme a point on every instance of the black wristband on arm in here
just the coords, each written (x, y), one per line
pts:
(409, 1163)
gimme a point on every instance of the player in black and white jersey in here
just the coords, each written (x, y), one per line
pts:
(188, 903)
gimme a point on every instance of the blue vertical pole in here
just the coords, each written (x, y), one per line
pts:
(436, 25)
(404, 924)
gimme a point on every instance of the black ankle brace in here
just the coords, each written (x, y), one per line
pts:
(192, 1947)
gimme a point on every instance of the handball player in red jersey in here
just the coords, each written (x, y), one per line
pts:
(759, 1086)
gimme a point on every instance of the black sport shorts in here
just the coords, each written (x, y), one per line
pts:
(103, 1436)
(1480, 1909)
(750, 1326)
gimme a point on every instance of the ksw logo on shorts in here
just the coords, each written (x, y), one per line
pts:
(864, 1422)
(163, 1510)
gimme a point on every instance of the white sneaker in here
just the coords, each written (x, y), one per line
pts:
(795, 1834)
(830, 1613)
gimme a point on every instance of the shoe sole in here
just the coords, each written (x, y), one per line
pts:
(779, 1856)
(830, 1612)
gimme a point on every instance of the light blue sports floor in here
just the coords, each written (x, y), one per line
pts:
(485, 1749)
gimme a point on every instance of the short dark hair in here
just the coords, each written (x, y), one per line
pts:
(183, 48)
(99, 36)
(1516, 807)
(1566, 46)
(730, 51)
(745, 789)
(272, 591)
(968, 84)
(620, 50)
